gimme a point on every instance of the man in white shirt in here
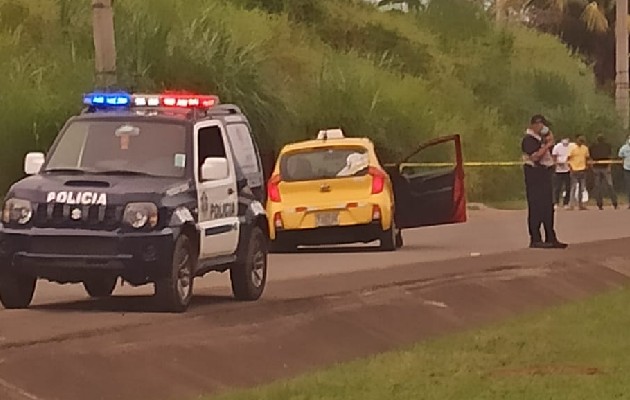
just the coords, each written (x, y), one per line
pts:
(562, 177)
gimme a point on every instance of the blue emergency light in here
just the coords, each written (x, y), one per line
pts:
(107, 99)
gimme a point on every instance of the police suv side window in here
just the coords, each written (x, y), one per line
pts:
(210, 144)
(245, 153)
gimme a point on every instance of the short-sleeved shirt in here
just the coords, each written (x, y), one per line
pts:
(530, 145)
(624, 152)
(561, 153)
(578, 158)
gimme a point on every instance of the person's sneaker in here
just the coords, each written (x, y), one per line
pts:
(601, 208)
(556, 245)
(538, 245)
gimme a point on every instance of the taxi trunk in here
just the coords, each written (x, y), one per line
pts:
(326, 202)
(320, 188)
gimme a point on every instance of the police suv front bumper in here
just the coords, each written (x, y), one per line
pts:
(72, 255)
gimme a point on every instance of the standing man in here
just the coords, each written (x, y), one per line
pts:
(578, 162)
(538, 169)
(602, 151)
(562, 177)
(624, 153)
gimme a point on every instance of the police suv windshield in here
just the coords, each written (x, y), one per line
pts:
(119, 147)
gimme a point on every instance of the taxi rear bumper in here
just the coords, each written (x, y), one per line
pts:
(361, 233)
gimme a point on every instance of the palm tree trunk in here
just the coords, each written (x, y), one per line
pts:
(104, 43)
(622, 87)
(499, 6)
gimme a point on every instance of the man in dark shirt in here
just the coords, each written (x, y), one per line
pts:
(538, 170)
(602, 151)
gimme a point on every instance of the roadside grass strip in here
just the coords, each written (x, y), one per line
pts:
(575, 351)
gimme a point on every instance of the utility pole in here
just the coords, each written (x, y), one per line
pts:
(104, 43)
(622, 80)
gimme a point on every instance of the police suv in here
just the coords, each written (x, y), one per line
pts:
(154, 189)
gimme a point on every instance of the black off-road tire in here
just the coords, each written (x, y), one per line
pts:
(100, 287)
(16, 290)
(249, 275)
(174, 292)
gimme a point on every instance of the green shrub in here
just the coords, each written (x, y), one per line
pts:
(297, 66)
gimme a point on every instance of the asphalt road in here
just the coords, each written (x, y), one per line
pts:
(63, 325)
(486, 232)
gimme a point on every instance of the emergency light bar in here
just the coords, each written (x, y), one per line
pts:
(126, 100)
(105, 100)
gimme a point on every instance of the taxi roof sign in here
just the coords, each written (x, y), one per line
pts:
(336, 133)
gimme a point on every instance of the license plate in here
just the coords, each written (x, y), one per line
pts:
(327, 218)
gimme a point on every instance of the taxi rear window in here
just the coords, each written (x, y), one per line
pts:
(324, 163)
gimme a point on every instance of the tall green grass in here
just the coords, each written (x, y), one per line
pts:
(297, 66)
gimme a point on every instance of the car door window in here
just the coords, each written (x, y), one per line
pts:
(210, 144)
(245, 153)
(429, 185)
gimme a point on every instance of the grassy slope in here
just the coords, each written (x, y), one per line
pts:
(399, 79)
(551, 355)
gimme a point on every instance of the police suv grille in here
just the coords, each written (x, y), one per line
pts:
(74, 246)
(53, 215)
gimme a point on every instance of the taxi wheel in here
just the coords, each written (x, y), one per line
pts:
(174, 292)
(388, 239)
(99, 288)
(16, 290)
(249, 275)
(399, 239)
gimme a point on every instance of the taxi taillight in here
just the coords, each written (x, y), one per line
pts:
(378, 180)
(273, 189)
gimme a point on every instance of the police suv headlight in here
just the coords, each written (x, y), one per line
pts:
(17, 210)
(139, 215)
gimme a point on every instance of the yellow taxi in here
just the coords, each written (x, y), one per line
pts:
(333, 190)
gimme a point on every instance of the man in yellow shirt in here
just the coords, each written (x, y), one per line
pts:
(578, 163)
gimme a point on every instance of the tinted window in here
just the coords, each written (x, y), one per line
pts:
(210, 144)
(324, 163)
(243, 145)
(143, 147)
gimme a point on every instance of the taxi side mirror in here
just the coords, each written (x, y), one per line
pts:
(33, 163)
(214, 169)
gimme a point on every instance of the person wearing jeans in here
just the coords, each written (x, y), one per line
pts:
(624, 153)
(578, 162)
(562, 176)
(601, 151)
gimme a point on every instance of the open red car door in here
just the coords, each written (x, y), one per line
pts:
(429, 185)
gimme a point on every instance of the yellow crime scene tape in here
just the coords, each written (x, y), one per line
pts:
(487, 164)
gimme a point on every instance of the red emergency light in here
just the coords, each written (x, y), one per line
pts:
(177, 100)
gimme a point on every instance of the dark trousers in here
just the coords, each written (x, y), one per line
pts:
(562, 181)
(604, 186)
(626, 176)
(539, 190)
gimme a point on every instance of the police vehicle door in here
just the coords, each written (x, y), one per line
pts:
(218, 200)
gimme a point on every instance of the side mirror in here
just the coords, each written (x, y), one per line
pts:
(33, 163)
(214, 169)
